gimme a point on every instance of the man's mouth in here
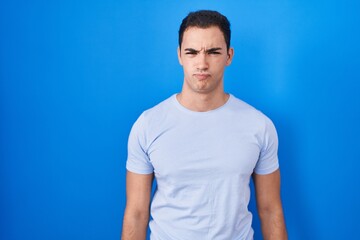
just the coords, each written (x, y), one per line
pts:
(201, 76)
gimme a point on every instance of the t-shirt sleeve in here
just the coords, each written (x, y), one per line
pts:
(268, 160)
(138, 160)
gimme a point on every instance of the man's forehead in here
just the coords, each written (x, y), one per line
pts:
(195, 37)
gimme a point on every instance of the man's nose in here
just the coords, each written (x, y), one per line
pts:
(202, 61)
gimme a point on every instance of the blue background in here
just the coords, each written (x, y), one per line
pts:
(75, 75)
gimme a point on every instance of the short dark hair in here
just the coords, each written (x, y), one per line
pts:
(206, 19)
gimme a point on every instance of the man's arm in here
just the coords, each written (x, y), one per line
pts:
(267, 188)
(136, 217)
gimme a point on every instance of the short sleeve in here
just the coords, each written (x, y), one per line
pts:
(138, 160)
(268, 160)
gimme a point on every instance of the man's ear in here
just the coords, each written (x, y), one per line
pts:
(179, 55)
(230, 56)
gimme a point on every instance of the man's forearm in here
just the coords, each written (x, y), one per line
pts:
(134, 226)
(273, 225)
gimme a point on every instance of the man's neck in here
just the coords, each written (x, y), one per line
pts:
(202, 102)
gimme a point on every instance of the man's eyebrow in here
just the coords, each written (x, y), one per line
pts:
(213, 49)
(208, 50)
(191, 50)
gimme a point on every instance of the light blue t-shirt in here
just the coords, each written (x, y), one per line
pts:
(202, 162)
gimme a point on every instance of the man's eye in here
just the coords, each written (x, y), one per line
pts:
(190, 53)
(214, 53)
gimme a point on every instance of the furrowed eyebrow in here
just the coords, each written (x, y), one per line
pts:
(213, 50)
(207, 51)
(191, 50)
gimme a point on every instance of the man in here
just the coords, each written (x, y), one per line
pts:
(202, 146)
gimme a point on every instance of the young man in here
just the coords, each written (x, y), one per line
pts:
(202, 146)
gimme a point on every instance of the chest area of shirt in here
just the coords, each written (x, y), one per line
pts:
(202, 152)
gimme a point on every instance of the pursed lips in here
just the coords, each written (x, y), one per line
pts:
(201, 76)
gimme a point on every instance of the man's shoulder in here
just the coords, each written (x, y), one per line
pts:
(158, 112)
(241, 106)
(160, 107)
(245, 110)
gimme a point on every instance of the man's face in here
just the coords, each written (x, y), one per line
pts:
(204, 57)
